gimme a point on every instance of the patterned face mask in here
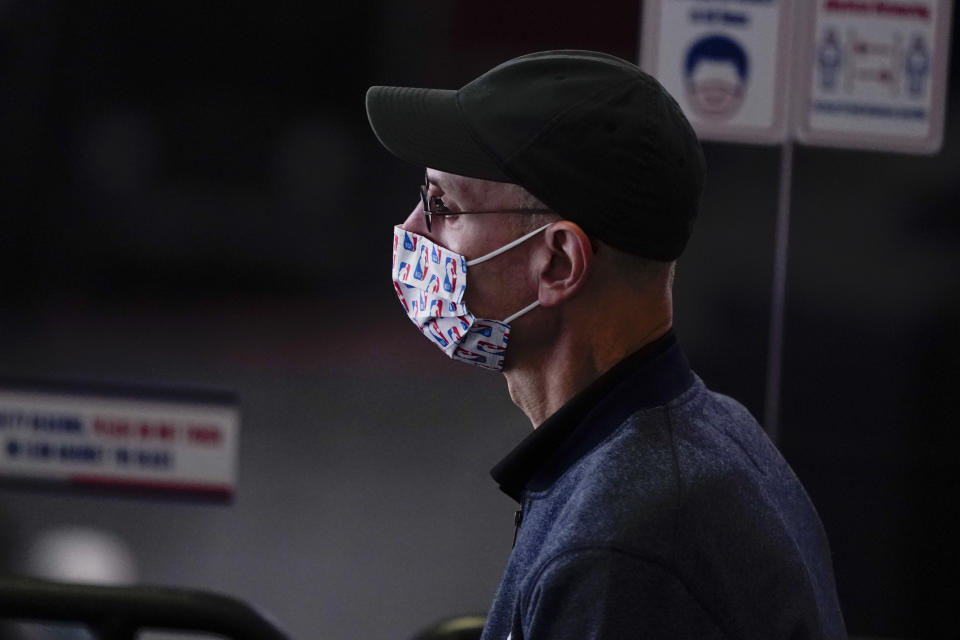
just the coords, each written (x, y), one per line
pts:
(430, 281)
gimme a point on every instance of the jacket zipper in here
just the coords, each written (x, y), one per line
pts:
(517, 519)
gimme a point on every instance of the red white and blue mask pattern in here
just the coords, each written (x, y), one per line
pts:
(430, 281)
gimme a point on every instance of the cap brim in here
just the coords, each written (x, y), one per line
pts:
(424, 126)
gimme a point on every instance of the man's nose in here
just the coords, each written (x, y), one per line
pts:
(416, 222)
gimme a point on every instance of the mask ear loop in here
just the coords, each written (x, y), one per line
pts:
(493, 254)
(506, 247)
(530, 307)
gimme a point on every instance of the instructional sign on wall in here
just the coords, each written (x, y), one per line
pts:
(725, 61)
(157, 442)
(874, 73)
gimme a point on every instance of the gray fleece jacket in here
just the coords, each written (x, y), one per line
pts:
(655, 508)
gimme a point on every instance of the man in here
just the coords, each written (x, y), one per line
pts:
(560, 189)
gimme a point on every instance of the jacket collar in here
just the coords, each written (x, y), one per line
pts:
(650, 377)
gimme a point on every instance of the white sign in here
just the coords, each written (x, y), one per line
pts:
(874, 74)
(868, 74)
(96, 440)
(727, 63)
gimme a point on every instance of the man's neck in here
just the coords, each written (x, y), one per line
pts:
(544, 383)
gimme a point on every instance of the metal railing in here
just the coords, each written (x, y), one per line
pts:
(120, 613)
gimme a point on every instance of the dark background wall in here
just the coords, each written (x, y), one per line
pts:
(192, 196)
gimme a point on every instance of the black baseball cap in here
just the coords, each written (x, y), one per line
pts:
(592, 136)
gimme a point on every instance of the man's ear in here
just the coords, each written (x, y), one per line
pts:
(568, 258)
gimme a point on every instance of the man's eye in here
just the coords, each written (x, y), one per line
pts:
(436, 203)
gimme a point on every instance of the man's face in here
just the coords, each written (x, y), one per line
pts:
(502, 285)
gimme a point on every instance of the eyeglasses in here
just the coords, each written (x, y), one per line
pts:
(433, 206)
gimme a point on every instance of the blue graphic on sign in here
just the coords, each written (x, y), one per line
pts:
(715, 16)
(871, 110)
(145, 458)
(40, 422)
(716, 71)
(917, 67)
(89, 455)
(829, 60)
(55, 452)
